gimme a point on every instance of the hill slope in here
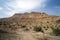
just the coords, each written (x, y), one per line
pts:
(30, 20)
(28, 23)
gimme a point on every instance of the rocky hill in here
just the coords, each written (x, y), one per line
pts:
(29, 22)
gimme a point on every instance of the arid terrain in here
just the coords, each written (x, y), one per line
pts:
(29, 26)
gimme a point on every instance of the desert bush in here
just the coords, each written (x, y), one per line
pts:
(1, 31)
(56, 31)
(37, 29)
(23, 26)
(44, 27)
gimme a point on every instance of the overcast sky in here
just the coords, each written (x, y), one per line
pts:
(10, 7)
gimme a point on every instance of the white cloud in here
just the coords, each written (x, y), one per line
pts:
(23, 6)
(1, 8)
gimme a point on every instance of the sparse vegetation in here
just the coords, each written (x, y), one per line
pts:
(23, 26)
(56, 31)
(47, 26)
(46, 29)
(1, 31)
(37, 29)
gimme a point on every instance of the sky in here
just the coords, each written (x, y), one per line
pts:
(9, 7)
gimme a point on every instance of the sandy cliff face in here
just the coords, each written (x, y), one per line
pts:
(21, 26)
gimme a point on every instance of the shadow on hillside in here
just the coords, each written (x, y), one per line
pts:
(1, 31)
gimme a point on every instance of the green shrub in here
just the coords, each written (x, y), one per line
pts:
(56, 31)
(37, 29)
(23, 26)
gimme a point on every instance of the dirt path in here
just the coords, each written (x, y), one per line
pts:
(27, 36)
